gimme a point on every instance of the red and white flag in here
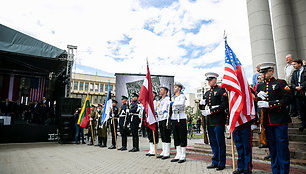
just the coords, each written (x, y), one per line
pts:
(146, 99)
(241, 102)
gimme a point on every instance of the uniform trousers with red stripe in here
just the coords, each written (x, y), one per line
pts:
(243, 141)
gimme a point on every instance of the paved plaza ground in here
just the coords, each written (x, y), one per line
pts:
(54, 158)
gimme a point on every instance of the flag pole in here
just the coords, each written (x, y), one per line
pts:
(92, 137)
(232, 140)
(154, 143)
(114, 129)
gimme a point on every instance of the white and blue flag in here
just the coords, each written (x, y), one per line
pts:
(107, 106)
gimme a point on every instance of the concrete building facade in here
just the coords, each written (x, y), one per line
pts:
(277, 28)
(95, 86)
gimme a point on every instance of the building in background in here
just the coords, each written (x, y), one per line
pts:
(277, 28)
(95, 86)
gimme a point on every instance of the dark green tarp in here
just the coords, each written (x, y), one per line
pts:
(16, 42)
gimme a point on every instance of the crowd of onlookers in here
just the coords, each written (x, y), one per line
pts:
(31, 112)
(295, 77)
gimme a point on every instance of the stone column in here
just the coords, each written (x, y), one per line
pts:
(299, 20)
(283, 32)
(260, 32)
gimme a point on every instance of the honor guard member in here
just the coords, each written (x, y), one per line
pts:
(113, 113)
(135, 120)
(93, 121)
(162, 117)
(123, 114)
(150, 132)
(99, 124)
(274, 96)
(242, 136)
(178, 121)
(216, 101)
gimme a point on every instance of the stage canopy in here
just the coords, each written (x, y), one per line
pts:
(20, 53)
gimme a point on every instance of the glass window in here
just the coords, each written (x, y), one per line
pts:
(101, 87)
(95, 99)
(106, 87)
(75, 86)
(91, 87)
(81, 86)
(86, 86)
(96, 87)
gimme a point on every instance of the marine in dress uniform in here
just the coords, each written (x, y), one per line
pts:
(217, 102)
(135, 120)
(113, 113)
(162, 117)
(150, 132)
(274, 96)
(242, 136)
(123, 113)
(178, 121)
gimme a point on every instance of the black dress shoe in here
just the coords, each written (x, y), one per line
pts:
(237, 171)
(159, 156)
(123, 148)
(131, 149)
(181, 161)
(267, 157)
(175, 160)
(220, 168)
(246, 172)
(112, 147)
(212, 166)
(136, 150)
(262, 146)
(165, 157)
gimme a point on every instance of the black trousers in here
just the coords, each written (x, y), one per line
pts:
(150, 134)
(134, 129)
(123, 131)
(112, 131)
(179, 132)
(164, 131)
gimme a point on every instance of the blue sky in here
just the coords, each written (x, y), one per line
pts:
(183, 38)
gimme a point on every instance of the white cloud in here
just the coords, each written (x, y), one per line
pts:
(91, 25)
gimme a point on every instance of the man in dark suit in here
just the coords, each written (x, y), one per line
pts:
(7, 108)
(298, 84)
(36, 112)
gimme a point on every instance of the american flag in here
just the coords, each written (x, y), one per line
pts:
(37, 89)
(241, 102)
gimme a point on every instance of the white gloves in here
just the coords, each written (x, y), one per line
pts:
(262, 95)
(90, 119)
(127, 110)
(203, 102)
(263, 104)
(206, 112)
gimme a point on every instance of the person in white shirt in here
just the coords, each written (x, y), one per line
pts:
(162, 115)
(178, 121)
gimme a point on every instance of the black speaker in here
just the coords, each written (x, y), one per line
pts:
(67, 120)
(69, 106)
